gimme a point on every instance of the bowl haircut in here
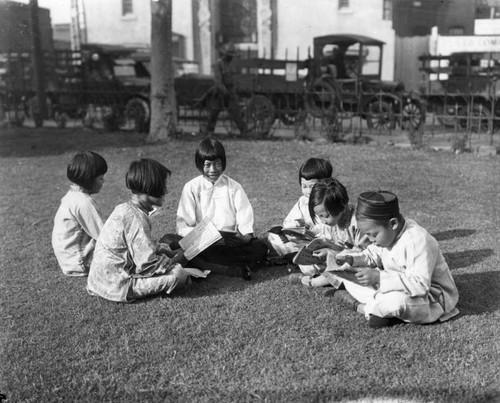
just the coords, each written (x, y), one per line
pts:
(332, 194)
(85, 167)
(315, 168)
(210, 150)
(147, 176)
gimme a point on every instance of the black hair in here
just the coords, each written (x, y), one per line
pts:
(315, 168)
(382, 222)
(147, 176)
(210, 150)
(332, 194)
(85, 167)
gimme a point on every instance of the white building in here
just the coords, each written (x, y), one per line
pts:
(284, 28)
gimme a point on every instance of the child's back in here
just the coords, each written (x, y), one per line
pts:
(78, 220)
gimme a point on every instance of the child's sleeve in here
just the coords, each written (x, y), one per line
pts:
(370, 257)
(143, 248)
(293, 217)
(90, 218)
(415, 279)
(244, 212)
(186, 212)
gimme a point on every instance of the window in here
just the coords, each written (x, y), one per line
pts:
(387, 10)
(343, 4)
(127, 7)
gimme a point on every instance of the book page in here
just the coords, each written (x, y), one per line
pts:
(199, 239)
(345, 271)
(197, 272)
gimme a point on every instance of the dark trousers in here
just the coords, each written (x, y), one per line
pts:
(218, 101)
(249, 254)
(221, 258)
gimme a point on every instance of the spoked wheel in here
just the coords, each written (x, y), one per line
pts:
(412, 116)
(260, 115)
(321, 98)
(478, 121)
(380, 116)
(137, 114)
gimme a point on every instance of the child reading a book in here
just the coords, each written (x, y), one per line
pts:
(404, 276)
(128, 264)
(328, 202)
(310, 172)
(78, 221)
(223, 200)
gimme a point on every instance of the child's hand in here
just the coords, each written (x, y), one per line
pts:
(300, 223)
(321, 254)
(341, 259)
(368, 276)
(238, 239)
(179, 258)
(164, 249)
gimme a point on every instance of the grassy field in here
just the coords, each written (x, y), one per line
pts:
(225, 339)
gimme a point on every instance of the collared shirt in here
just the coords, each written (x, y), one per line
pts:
(224, 202)
(124, 250)
(77, 224)
(415, 265)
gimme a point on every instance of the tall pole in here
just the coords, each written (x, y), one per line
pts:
(38, 68)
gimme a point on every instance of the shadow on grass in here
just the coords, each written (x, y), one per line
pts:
(453, 233)
(30, 142)
(478, 292)
(458, 260)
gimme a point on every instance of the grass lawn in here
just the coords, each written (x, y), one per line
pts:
(226, 339)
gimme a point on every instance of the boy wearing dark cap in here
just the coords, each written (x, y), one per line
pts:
(403, 274)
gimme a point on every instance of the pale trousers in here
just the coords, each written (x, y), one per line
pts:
(397, 304)
(142, 287)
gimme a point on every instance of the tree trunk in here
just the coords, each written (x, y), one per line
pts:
(163, 107)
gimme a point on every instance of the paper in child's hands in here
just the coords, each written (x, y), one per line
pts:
(200, 238)
(344, 270)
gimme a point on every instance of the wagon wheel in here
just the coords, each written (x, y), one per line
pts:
(137, 114)
(380, 116)
(447, 117)
(321, 98)
(478, 120)
(260, 114)
(412, 115)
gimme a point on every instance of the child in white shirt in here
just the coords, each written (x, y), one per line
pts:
(407, 278)
(223, 200)
(329, 203)
(128, 264)
(310, 172)
(78, 221)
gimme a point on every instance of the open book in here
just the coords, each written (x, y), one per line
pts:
(305, 254)
(200, 238)
(344, 271)
(298, 234)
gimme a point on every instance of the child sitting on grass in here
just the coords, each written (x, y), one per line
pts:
(310, 172)
(329, 202)
(128, 264)
(407, 278)
(78, 221)
(223, 200)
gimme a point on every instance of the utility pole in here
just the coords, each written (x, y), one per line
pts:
(39, 108)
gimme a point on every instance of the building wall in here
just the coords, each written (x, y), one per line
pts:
(297, 25)
(294, 25)
(106, 24)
